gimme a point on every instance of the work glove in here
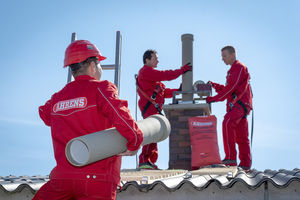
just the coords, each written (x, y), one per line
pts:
(210, 99)
(180, 87)
(187, 67)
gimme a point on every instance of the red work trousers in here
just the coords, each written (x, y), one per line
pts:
(63, 189)
(235, 131)
(149, 153)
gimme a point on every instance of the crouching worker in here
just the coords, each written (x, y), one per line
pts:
(84, 106)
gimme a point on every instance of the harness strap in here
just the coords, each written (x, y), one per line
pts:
(151, 100)
(146, 108)
(252, 126)
(244, 108)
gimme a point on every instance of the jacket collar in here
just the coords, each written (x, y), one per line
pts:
(84, 77)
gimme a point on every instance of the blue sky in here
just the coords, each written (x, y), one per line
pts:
(34, 35)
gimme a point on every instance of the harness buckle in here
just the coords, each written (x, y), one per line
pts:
(153, 97)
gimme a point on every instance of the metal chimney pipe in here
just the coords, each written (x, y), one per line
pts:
(187, 57)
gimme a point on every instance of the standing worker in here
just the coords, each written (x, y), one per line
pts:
(237, 91)
(84, 106)
(152, 94)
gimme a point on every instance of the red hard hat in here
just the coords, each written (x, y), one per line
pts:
(79, 51)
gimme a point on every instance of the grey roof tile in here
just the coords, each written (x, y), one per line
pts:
(172, 181)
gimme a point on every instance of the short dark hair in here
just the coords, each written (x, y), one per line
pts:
(230, 49)
(82, 66)
(148, 55)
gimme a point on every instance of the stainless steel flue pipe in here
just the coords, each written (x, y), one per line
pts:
(187, 57)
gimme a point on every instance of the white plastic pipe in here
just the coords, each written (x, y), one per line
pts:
(97, 146)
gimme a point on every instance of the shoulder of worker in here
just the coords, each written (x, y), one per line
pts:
(59, 93)
(107, 89)
(236, 67)
(145, 69)
(238, 64)
(104, 84)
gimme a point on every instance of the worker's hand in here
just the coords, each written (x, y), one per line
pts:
(214, 85)
(210, 100)
(180, 87)
(209, 82)
(128, 153)
(187, 67)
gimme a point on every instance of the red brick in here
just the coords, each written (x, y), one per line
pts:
(181, 150)
(183, 132)
(179, 125)
(175, 112)
(183, 118)
(192, 113)
(177, 138)
(184, 144)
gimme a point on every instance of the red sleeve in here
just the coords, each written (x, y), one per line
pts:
(232, 83)
(116, 110)
(45, 113)
(161, 75)
(217, 87)
(169, 92)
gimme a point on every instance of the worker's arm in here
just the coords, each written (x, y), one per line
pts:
(216, 86)
(233, 80)
(164, 75)
(116, 110)
(45, 113)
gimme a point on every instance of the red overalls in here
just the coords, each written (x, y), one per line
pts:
(86, 106)
(235, 124)
(149, 80)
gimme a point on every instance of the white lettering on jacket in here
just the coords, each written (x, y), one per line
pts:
(79, 102)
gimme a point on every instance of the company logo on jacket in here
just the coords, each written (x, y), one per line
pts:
(79, 102)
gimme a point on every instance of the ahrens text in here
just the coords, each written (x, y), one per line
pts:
(80, 102)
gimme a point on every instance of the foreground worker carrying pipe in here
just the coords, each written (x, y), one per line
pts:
(93, 147)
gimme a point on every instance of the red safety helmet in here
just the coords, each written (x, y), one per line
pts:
(79, 51)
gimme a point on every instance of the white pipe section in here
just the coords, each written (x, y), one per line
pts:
(97, 146)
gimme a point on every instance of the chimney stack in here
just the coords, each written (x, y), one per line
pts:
(187, 57)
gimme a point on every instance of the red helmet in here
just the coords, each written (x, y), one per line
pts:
(79, 51)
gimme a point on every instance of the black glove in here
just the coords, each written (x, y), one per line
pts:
(180, 87)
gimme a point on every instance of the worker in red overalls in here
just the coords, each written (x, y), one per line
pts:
(84, 106)
(152, 94)
(237, 91)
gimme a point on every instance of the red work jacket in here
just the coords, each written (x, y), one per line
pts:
(237, 83)
(86, 106)
(149, 79)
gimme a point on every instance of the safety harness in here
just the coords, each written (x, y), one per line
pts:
(151, 100)
(238, 100)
